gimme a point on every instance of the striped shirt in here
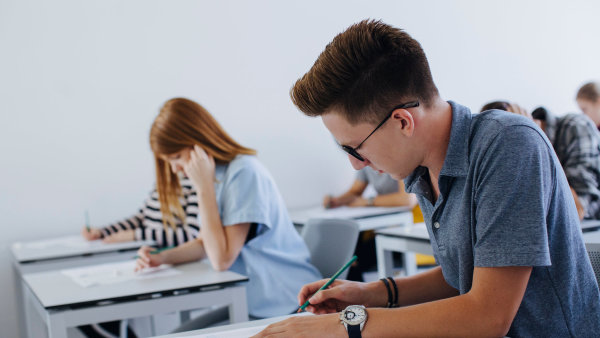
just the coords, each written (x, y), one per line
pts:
(147, 222)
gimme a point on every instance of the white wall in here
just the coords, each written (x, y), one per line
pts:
(81, 81)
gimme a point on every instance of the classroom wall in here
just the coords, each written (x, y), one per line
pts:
(81, 81)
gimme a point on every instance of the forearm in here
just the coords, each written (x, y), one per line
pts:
(459, 316)
(187, 252)
(424, 287)
(395, 199)
(214, 237)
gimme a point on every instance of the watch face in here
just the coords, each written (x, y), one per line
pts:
(354, 315)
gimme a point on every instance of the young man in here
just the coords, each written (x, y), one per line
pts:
(498, 209)
(588, 99)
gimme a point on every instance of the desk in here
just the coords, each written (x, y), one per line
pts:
(61, 303)
(368, 218)
(591, 237)
(406, 239)
(61, 253)
(253, 327)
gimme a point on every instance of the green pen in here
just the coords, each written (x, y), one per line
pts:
(157, 251)
(331, 280)
(87, 221)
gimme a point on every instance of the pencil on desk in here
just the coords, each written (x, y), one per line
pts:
(87, 221)
(331, 280)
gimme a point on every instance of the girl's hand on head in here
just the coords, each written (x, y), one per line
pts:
(92, 234)
(146, 259)
(200, 168)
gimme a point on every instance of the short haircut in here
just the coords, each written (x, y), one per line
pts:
(364, 72)
(589, 91)
(500, 105)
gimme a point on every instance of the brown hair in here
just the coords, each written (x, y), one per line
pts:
(500, 105)
(364, 72)
(181, 124)
(589, 91)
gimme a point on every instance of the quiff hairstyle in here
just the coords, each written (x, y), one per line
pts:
(364, 72)
(182, 124)
(589, 91)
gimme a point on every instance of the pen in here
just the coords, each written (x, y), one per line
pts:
(87, 221)
(156, 251)
(331, 280)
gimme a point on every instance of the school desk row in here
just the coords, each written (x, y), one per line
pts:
(67, 282)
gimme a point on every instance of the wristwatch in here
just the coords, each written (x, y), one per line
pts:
(371, 201)
(354, 318)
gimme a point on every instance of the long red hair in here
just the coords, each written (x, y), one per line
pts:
(180, 125)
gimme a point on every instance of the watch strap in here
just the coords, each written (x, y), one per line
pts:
(354, 331)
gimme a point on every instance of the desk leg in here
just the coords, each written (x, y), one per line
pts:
(238, 308)
(410, 263)
(385, 260)
(56, 325)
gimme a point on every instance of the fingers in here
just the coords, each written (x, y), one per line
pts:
(309, 289)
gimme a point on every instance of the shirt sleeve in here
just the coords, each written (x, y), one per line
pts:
(132, 223)
(513, 189)
(246, 196)
(361, 175)
(581, 160)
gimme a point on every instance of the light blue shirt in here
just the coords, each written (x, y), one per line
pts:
(276, 260)
(505, 201)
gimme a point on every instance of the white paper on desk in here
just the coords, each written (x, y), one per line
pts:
(238, 333)
(111, 273)
(355, 212)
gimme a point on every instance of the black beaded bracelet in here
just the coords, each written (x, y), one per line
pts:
(395, 303)
(389, 290)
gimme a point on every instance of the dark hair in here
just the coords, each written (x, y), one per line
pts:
(500, 105)
(365, 71)
(589, 91)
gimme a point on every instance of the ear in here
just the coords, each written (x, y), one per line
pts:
(404, 120)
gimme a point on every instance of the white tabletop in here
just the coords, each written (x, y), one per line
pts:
(67, 246)
(234, 330)
(53, 288)
(415, 231)
(592, 237)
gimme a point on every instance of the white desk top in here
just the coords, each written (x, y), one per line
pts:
(53, 288)
(415, 231)
(590, 224)
(368, 218)
(234, 330)
(591, 237)
(67, 246)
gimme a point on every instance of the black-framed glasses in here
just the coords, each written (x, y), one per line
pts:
(353, 151)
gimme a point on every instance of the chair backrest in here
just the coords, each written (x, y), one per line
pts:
(331, 243)
(593, 250)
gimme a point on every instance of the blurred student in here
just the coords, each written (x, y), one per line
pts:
(577, 145)
(244, 224)
(390, 193)
(588, 99)
(148, 222)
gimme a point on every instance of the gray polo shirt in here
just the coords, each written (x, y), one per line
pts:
(382, 183)
(504, 201)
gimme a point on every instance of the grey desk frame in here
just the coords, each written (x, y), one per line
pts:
(61, 303)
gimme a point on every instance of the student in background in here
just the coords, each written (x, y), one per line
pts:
(497, 206)
(390, 193)
(577, 145)
(245, 226)
(588, 99)
(148, 222)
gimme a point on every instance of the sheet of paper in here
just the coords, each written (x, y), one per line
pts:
(111, 273)
(238, 333)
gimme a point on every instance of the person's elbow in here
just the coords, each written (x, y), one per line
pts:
(222, 263)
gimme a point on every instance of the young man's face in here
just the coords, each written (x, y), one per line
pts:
(387, 150)
(591, 109)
